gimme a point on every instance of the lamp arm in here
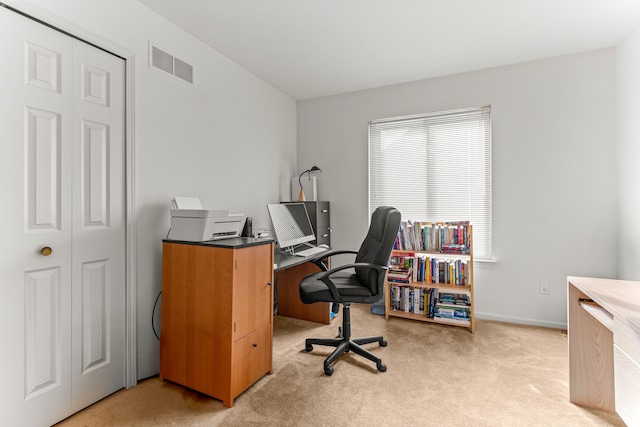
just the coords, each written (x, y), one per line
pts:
(300, 177)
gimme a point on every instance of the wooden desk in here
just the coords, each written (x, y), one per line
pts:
(604, 345)
(289, 271)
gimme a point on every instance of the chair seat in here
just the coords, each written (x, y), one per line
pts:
(350, 288)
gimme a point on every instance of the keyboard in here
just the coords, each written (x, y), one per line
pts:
(310, 251)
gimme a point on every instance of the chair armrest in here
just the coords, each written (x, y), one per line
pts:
(318, 260)
(326, 275)
(331, 253)
(379, 268)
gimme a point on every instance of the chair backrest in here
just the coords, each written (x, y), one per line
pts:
(377, 245)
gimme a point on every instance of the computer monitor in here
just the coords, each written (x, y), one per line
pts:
(291, 224)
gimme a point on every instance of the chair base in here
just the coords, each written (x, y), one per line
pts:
(344, 344)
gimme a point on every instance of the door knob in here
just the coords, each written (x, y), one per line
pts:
(46, 251)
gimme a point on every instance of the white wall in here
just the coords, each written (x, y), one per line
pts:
(628, 113)
(229, 139)
(554, 186)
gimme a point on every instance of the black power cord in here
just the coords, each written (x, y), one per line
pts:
(153, 315)
(153, 312)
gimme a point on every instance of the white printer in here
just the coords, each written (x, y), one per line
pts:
(190, 222)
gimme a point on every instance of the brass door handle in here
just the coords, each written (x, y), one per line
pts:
(46, 251)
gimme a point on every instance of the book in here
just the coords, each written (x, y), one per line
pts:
(433, 294)
(416, 300)
(450, 312)
(399, 275)
(427, 301)
(406, 295)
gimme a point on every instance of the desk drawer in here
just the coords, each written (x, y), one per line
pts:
(251, 359)
(627, 338)
(627, 386)
(324, 236)
(322, 214)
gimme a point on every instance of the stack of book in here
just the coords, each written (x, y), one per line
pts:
(453, 306)
(401, 268)
(399, 275)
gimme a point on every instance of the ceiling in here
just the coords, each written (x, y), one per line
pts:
(313, 48)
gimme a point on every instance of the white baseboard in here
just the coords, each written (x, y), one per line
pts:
(521, 321)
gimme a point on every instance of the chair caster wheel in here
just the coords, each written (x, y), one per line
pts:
(308, 349)
(383, 343)
(328, 371)
(382, 368)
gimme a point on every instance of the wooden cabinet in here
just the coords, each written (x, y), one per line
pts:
(437, 282)
(217, 300)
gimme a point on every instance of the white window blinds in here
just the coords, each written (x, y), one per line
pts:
(435, 167)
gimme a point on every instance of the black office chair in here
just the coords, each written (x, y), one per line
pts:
(359, 282)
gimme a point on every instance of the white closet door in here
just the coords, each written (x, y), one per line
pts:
(50, 304)
(98, 256)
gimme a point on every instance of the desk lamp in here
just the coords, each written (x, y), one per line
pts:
(301, 197)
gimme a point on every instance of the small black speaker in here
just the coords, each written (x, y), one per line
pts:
(247, 231)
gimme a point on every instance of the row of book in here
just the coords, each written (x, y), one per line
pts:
(430, 302)
(446, 237)
(411, 267)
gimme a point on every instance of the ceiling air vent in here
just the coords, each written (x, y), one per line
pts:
(166, 62)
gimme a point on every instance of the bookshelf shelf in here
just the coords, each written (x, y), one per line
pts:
(429, 285)
(416, 316)
(425, 285)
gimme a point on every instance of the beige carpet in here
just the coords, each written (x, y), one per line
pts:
(503, 375)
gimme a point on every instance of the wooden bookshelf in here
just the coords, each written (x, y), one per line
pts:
(434, 256)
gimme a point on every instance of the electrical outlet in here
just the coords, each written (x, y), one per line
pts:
(544, 287)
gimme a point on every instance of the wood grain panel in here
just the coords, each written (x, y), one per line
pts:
(251, 360)
(590, 357)
(252, 291)
(196, 332)
(289, 304)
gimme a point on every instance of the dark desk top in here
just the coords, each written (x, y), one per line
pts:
(281, 259)
(234, 243)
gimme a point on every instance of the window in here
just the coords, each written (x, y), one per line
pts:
(435, 167)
